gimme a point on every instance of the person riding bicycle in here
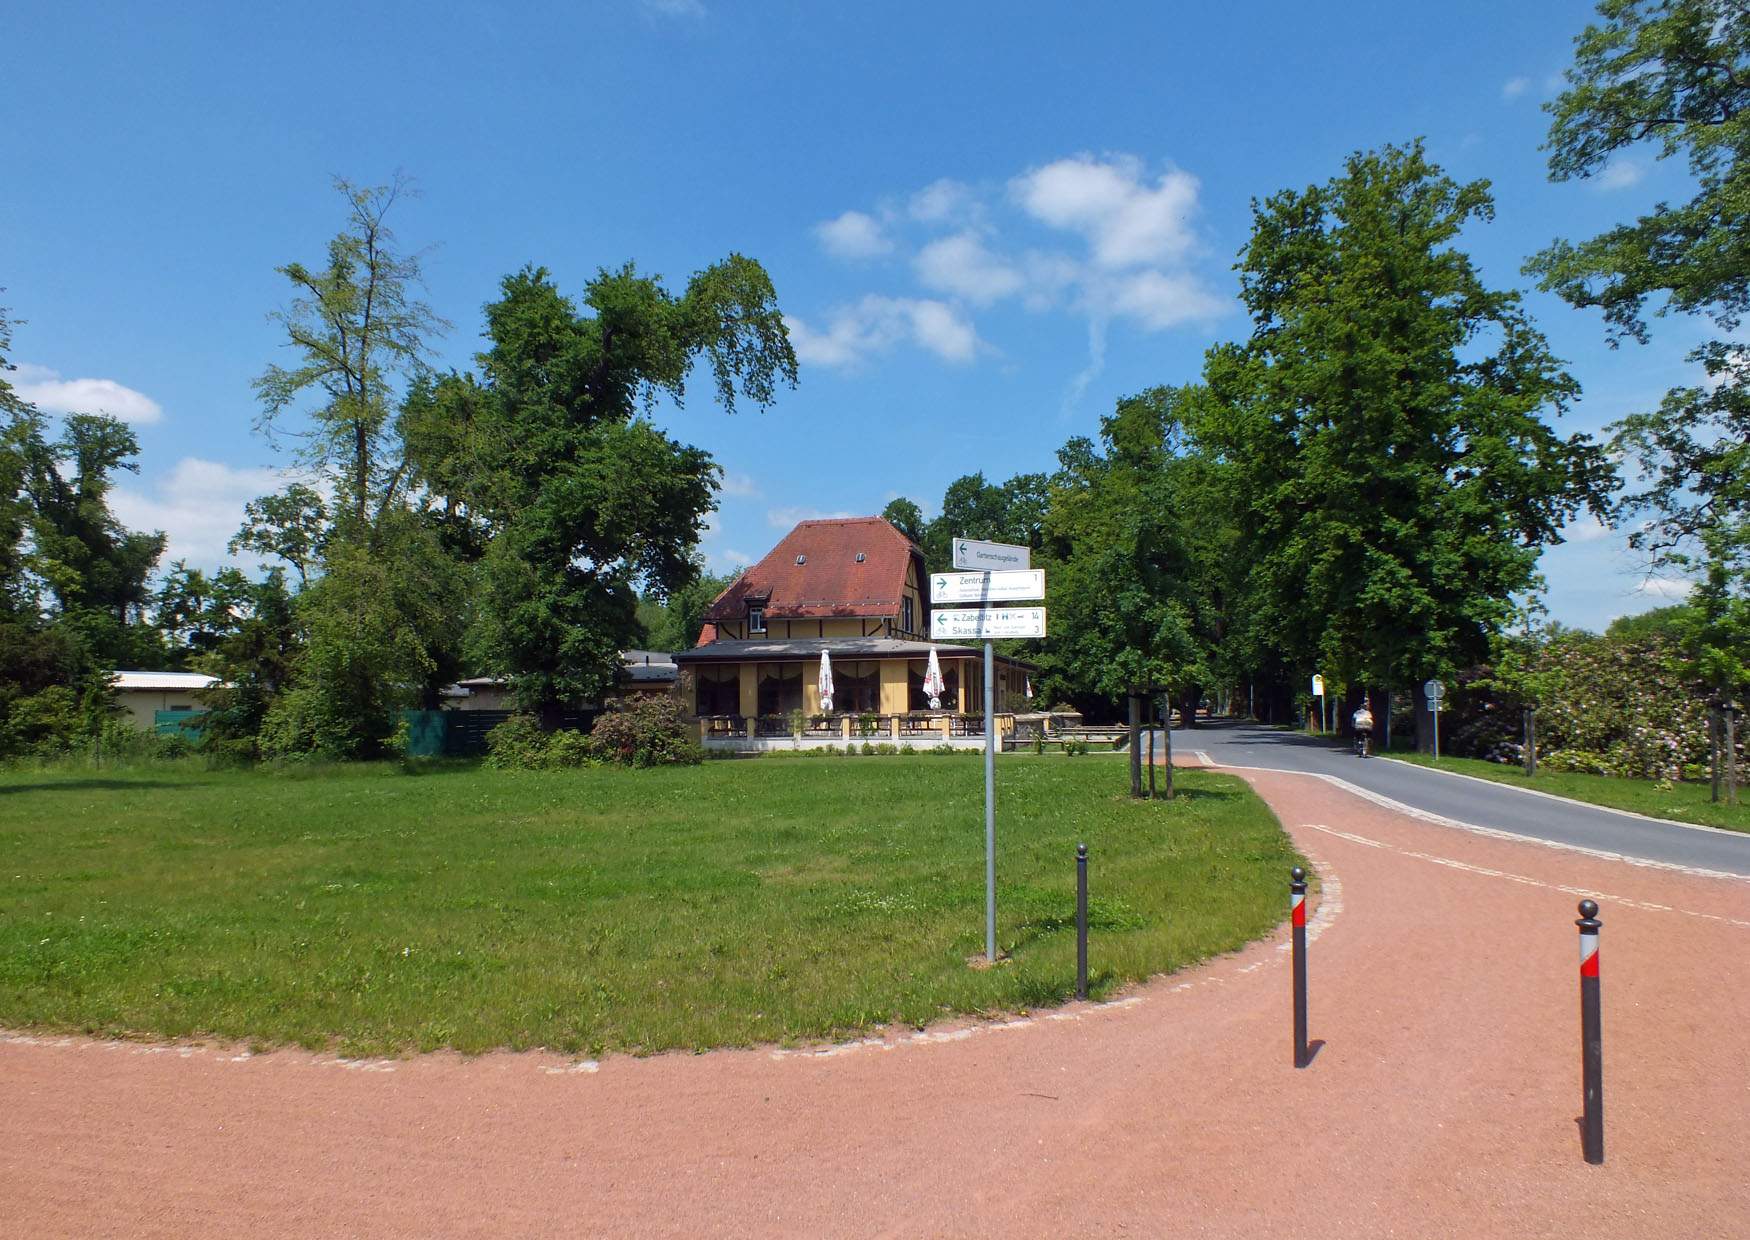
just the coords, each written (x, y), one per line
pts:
(1362, 719)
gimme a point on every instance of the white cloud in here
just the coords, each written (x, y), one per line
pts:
(674, 8)
(739, 486)
(853, 235)
(1158, 299)
(1620, 174)
(45, 389)
(1127, 220)
(942, 201)
(876, 324)
(730, 560)
(1585, 528)
(961, 265)
(786, 518)
(199, 504)
(1664, 587)
(1514, 87)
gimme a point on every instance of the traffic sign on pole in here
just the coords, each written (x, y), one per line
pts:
(1000, 587)
(988, 556)
(983, 623)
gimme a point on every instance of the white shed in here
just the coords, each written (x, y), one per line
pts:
(143, 694)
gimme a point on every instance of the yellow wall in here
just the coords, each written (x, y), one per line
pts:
(811, 692)
(894, 689)
(141, 705)
(750, 689)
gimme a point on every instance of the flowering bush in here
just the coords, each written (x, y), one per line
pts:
(647, 730)
(1605, 706)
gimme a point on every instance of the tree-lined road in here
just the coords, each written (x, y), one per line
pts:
(1473, 802)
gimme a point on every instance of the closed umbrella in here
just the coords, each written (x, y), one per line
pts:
(933, 683)
(825, 681)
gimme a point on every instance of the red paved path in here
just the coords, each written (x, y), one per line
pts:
(1443, 1103)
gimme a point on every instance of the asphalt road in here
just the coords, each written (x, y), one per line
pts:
(1471, 801)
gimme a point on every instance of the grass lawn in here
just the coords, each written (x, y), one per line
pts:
(376, 911)
(1683, 802)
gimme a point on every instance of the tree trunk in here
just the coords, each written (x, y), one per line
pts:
(1383, 744)
(1424, 720)
(1530, 754)
(1135, 745)
(549, 714)
(1731, 756)
(1167, 735)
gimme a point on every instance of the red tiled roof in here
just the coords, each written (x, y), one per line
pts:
(829, 581)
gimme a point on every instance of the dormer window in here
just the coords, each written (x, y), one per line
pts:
(756, 619)
(861, 557)
(802, 559)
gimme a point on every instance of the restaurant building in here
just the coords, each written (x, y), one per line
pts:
(855, 588)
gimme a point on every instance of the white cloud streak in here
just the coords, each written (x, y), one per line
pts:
(787, 518)
(1127, 220)
(854, 334)
(48, 391)
(853, 235)
(198, 504)
(1514, 87)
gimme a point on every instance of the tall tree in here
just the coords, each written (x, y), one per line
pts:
(1131, 612)
(357, 329)
(1385, 424)
(581, 500)
(1672, 76)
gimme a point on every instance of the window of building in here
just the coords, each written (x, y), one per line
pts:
(918, 699)
(780, 688)
(756, 619)
(719, 689)
(856, 685)
(905, 615)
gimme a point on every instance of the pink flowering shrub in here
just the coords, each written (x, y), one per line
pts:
(1610, 706)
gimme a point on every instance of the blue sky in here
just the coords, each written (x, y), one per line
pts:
(985, 222)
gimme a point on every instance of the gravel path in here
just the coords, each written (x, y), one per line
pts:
(1443, 1101)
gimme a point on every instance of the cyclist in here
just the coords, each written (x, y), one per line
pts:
(1362, 719)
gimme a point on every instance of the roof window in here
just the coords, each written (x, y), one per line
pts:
(802, 559)
(861, 557)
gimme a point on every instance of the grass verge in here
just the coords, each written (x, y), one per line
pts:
(372, 911)
(1681, 802)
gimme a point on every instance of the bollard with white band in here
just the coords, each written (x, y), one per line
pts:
(1591, 1037)
(1297, 919)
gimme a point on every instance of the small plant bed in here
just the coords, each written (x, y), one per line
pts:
(371, 911)
(1681, 802)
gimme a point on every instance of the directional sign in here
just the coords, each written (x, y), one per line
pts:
(1434, 690)
(984, 623)
(987, 587)
(970, 553)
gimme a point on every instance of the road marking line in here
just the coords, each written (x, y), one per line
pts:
(1494, 833)
(1556, 796)
(1489, 872)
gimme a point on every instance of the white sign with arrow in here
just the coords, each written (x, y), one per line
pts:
(988, 556)
(983, 623)
(1004, 587)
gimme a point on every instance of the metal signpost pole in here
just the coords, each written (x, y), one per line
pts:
(990, 805)
(992, 573)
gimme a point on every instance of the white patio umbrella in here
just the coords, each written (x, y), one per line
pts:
(1029, 688)
(933, 683)
(825, 681)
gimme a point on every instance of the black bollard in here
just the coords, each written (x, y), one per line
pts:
(1297, 917)
(1081, 921)
(1591, 1036)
